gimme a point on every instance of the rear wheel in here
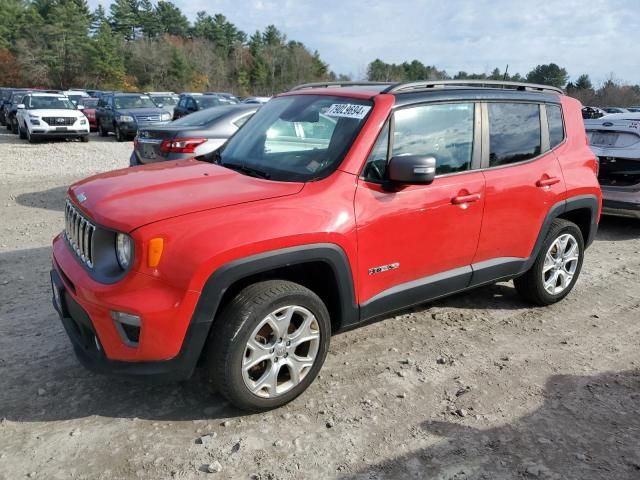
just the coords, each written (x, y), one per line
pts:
(84, 138)
(556, 270)
(103, 132)
(268, 344)
(119, 135)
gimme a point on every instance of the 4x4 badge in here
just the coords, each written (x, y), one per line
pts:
(383, 268)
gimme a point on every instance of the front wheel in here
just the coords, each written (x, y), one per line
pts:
(102, 131)
(557, 267)
(119, 135)
(84, 138)
(268, 344)
(22, 133)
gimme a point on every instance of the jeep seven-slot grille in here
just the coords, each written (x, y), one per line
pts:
(60, 121)
(79, 233)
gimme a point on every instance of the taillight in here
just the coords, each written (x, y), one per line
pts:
(181, 145)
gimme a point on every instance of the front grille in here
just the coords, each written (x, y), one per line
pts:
(147, 118)
(79, 233)
(60, 121)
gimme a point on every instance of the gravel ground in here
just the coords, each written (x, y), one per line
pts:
(477, 386)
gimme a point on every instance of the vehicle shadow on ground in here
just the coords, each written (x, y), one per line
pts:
(588, 427)
(52, 199)
(618, 228)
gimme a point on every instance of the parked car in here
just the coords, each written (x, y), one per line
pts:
(592, 112)
(5, 93)
(193, 102)
(615, 139)
(634, 109)
(89, 106)
(165, 100)
(49, 115)
(231, 98)
(194, 135)
(10, 107)
(615, 110)
(258, 100)
(75, 96)
(124, 113)
(261, 250)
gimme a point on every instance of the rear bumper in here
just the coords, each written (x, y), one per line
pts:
(621, 201)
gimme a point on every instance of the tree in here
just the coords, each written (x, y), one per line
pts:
(550, 74)
(171, 19)
(10, 12)
(583, 82)
(98, 18)
(124, 18)
(106, 59)
(148, 19)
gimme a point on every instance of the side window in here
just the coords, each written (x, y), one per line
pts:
(556, 127)
(443, 131)
(376, 165)
(191, 104)
(514, 132)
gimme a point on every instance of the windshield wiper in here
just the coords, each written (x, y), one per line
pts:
(254, 172)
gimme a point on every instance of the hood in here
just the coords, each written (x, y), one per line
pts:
(130, 198)
(56, 112)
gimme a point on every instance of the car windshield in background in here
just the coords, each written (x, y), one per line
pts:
(202, 117)
(134, 101)
(49, 103)
(89, 102)
(76, 99)
(165, 100)
(208, 102)
(296, 138)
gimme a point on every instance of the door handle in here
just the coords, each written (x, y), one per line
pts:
(547, 181)
(460, 199)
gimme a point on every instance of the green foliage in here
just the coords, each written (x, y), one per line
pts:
(550, 74)
(106, 59)
(583, 82)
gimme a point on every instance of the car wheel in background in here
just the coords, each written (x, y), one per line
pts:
(22, 133)
(84, 138)
(30, 137)
(103, 132)
(119, 136)
(14, 126)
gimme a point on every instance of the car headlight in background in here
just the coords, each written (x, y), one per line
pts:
(165, 116)
(124, 250)
(125, 118)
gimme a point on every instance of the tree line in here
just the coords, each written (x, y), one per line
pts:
(612, 92)
(145, 45)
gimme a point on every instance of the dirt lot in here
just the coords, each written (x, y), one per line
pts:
(478, 386)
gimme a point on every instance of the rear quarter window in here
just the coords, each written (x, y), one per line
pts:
(556, 125)
(514, 132)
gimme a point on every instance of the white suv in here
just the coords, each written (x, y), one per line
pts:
(48, 115)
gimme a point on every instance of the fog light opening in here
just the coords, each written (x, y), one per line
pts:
(128, 327)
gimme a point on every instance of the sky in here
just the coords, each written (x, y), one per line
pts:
(584, 36)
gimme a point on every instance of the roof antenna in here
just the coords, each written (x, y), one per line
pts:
(506, 73)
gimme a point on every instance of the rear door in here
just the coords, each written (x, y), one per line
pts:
(417, 242)
(523, 182)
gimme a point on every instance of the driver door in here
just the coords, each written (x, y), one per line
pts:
(416, 242)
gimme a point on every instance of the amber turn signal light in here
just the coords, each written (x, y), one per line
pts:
(155, 251)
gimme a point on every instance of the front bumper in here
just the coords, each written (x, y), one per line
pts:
(58, 134)
(170, 342)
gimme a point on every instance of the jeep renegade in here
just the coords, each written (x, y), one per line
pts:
(334, 205)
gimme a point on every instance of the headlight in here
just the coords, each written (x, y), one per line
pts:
(35, 117)
(124, 250)
(166, 116)
(125, 118)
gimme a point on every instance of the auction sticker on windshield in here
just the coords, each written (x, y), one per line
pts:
(348, 110)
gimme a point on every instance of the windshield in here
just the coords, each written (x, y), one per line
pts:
(296, 138)
(167, 100)
(48, 103)
(134, 101)
(207, 102)
(89, 102)
(202, 117)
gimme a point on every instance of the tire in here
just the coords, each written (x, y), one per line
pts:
(119, 136)
(84, 138)
(103, 132)
(14, 126)
(22, 133)
(30, 137)
(532, 285)
(244, 318)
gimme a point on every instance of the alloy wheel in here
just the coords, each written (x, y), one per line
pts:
(560, 264)
(280, 351)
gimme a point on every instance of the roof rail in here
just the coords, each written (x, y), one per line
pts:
(425, 85)
(306, 86)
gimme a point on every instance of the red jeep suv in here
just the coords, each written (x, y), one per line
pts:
(335, 204)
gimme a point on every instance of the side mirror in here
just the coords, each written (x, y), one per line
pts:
(160, 105)
(80, 107)
(412, 169)
(20, 106)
